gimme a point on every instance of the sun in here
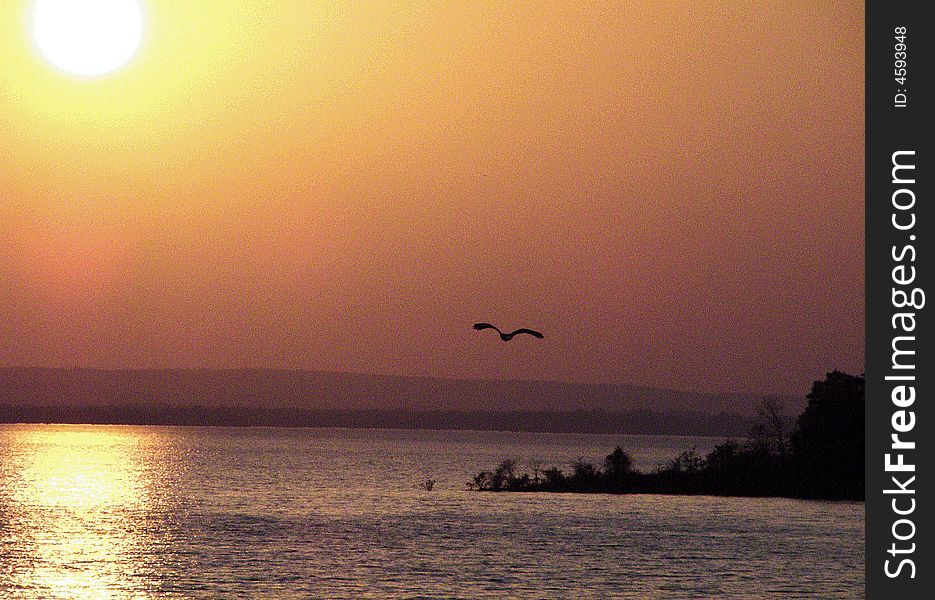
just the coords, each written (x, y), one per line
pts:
(88, 38)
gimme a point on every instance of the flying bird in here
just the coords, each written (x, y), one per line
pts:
(506, 337)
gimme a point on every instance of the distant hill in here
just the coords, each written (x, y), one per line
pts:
(321, 398)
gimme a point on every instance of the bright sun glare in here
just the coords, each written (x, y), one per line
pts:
(88, 37)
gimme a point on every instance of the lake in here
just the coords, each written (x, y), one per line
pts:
(178, 512)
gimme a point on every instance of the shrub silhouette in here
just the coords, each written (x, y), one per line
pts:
(584, 475)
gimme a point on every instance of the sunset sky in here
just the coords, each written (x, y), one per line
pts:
(671, 191)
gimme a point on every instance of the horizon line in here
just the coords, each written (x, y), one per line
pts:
(402, 376)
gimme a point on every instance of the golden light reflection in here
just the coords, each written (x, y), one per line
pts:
(79, 496)
(82, 470)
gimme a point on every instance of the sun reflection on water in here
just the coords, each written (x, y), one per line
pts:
(81, 470)
(79, 500)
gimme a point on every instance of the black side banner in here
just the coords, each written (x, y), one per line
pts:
(900, 377)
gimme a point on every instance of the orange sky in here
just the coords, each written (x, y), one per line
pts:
(671, 191)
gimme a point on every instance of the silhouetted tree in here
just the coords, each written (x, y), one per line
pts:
(687, 462)
(618, 467)
(769, 429)
(482, 481)
(584, 475)
(828, 443)
(722, 456)
(746, 470)
(504, 475)
(536, 466)
(553, 479)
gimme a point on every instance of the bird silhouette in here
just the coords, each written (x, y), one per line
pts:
(506, 337)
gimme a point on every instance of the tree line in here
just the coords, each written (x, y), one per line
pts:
(819, 455)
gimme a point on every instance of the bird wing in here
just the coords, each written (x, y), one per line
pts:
(529, 331)
(479, 326)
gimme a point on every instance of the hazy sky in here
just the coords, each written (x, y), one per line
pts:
(671, 191)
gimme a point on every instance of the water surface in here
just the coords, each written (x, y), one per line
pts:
(149, 512)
